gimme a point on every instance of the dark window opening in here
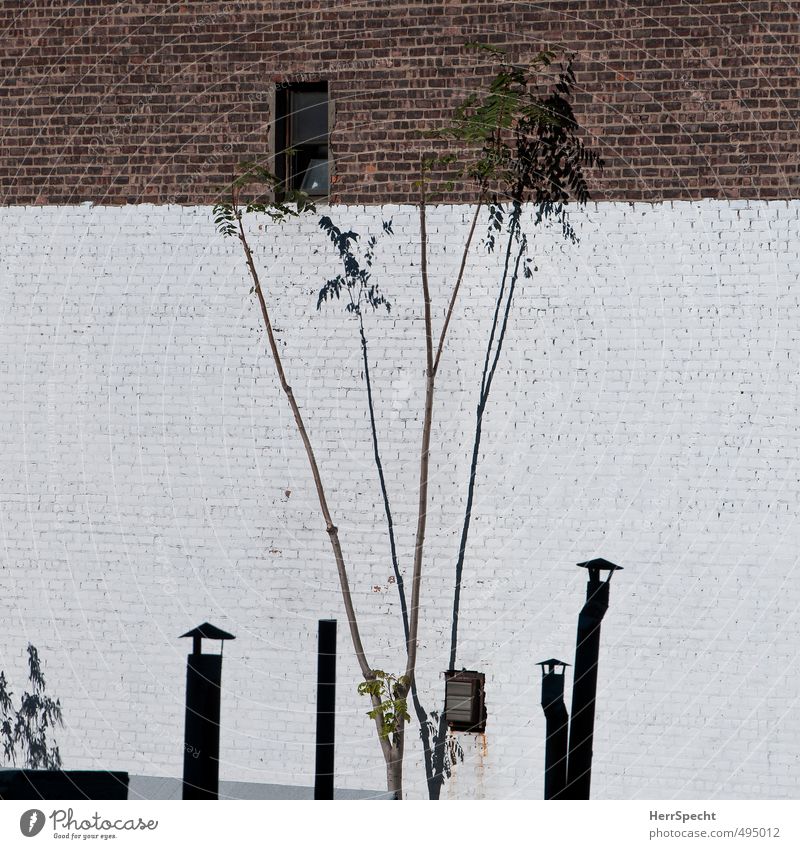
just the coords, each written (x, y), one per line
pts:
(464, 705)
(301, 138)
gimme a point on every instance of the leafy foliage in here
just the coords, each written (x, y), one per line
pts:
(525, 147)
(25, 730)
(392, 708)
(528, 148)
(266, 195)
(356, 279)
(225, 219)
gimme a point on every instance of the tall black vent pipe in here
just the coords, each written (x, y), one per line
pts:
(201, 737)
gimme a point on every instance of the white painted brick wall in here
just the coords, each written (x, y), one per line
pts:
(646, 410)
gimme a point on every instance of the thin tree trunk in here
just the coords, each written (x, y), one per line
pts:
(394, 774)
(457, 286)
(333, 532)
(432, 746)
(422, 512)
(393, 754)
(389, 753)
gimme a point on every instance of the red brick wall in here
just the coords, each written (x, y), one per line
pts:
(157, 102)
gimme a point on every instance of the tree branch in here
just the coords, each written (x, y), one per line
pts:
(422, 513)
(333, 533)
(454, 295)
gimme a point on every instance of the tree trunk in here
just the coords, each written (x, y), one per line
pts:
(394, 773)
(424, 454)
(333, 531)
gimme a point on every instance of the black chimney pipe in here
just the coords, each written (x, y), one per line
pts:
(557, 719)
(201, 738)
(584, 687)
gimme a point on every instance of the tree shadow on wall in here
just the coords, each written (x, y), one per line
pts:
(25, 731)
(441, 749)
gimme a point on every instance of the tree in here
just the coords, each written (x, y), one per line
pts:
(522, 147)
(25, 731)
(530, 153)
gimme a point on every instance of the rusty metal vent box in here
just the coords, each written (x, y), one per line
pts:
(464, 707)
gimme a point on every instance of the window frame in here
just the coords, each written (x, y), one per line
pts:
(281, 140)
